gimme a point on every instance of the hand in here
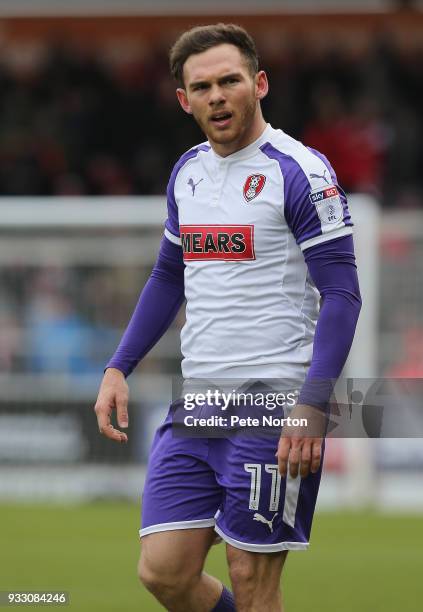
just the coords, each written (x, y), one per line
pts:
(301, 447)
(113, 393)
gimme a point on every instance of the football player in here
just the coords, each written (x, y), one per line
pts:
(258, 232)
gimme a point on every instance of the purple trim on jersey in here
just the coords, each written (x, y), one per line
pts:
(300, 214)
(157, 307)
(332, 267)
(347, 216)
(172, 222)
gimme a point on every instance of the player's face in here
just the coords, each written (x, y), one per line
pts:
(223, 96)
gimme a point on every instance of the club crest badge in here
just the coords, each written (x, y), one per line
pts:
(253, 186)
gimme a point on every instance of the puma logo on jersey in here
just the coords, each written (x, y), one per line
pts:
(217, 242)
(262, 519)
(322, 176)
(193, 185)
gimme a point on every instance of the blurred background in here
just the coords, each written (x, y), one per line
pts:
(89, 132)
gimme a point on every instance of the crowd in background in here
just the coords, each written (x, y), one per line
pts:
(76, 122)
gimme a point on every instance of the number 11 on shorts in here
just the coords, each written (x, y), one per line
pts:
(291, 492)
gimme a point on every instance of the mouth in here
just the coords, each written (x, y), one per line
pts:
(221, 119)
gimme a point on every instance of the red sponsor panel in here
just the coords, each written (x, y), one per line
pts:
(218, 242)
(330, 192)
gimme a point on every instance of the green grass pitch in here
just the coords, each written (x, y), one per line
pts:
(357, 561)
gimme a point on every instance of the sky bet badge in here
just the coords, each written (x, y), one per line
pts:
(328, 205)
(253, 185)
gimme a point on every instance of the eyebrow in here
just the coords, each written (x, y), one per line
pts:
(222, 79)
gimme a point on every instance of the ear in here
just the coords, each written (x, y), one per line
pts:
(262, 85)
(181, 94)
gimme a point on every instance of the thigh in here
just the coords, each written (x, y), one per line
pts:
(180, 491)
(262, 512)
(165, 553)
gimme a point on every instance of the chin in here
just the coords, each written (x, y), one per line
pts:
(224, 137)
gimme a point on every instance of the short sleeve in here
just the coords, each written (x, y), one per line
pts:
(315, 206)
(319, 213)
(172, 222)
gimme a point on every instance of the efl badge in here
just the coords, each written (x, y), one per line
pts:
(253, 185)
(328, 205)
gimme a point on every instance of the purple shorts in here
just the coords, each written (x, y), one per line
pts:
(231, 484)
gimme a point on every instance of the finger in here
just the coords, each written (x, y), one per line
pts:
(104, 425)
(305, 459)
(114, 434)
(316, 456)
(294, 460)
(282, 455)
(122, 410)
(103, 416)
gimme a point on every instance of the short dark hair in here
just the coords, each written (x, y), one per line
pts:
(202, 38)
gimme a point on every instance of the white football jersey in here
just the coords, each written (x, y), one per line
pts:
(243, 222)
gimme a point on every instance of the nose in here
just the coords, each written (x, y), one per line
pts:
(216, 96)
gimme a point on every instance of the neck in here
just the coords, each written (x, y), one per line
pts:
(246, 138)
